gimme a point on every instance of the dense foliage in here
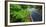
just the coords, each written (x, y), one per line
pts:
(19, 13)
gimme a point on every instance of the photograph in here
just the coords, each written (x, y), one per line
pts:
(25, 13)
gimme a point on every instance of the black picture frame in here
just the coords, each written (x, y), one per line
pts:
(6, 13)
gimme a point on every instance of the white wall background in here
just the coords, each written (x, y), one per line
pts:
(2, 14)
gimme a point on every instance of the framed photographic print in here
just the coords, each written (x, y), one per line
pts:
(24, 13)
